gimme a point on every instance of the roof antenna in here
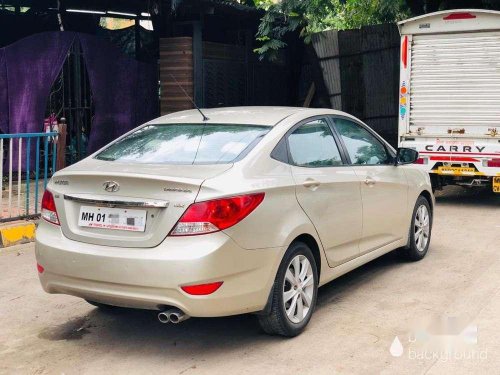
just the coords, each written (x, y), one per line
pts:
(205, 118)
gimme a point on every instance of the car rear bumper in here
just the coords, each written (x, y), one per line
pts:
(151, 278)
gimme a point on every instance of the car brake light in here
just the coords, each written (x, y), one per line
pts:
(202, 289)
(39, 268)
(495, 163)
(421, 161)
(49, 211)
(215, 215)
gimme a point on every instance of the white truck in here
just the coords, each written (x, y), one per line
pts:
(449, 96)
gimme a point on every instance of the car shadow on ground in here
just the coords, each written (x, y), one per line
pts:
(473, 197)
(120, 328)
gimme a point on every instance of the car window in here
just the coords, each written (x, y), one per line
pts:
(362, 146)
(185, 144)
(313, 145)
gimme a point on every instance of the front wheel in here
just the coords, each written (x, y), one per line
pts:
(294, 293)
(420, 231)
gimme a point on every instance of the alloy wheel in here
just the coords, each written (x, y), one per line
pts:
(421, 228)
(298, 289)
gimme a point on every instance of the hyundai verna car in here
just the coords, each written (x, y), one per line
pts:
(248, 211)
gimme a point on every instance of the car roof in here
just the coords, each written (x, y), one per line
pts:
(269, 116)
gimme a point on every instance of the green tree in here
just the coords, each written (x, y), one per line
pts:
(309, 16)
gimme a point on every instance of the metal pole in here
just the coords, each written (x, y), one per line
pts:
(37, 168)
(11, 143)
(54, 156)
(1, 178)
(28, 147)
(19, 169)
(45, 161)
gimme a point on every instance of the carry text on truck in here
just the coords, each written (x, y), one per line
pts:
(449, 95)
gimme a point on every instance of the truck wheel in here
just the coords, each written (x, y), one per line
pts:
(420, 231)
(294, 293)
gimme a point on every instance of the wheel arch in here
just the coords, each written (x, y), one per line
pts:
(427, 195)
(314, 246)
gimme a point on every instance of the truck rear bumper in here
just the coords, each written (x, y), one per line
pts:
(456, 157)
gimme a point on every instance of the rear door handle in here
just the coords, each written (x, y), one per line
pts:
(311, 183)
(370, 181)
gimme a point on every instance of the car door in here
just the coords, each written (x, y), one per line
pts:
(384, 187)
(327, 189)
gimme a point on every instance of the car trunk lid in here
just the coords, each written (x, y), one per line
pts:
(157, 194)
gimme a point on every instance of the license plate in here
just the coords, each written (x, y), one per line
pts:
(496, 184)
(456, 170)
(112, 218)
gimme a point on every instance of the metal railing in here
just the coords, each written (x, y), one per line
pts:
(21, 198)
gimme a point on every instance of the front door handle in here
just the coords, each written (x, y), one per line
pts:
(370, 181)
(311, 183)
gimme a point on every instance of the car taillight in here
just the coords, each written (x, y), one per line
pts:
(494, 163)
(49, 211)
(421, 161)
(40, 268)
(202, 289)
(215, 215)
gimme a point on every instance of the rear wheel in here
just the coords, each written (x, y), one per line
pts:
(294, 293)
(420, 231)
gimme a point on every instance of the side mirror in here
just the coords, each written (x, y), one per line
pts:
(406, 156)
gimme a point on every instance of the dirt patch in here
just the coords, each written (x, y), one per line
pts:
(73, 329)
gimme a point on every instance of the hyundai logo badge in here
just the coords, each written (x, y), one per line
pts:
(111, 186)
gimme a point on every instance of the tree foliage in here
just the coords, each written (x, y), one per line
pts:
(309, 16)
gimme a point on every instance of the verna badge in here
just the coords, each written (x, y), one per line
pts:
(111, 186)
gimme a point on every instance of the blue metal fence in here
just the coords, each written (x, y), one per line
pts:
(27, 187)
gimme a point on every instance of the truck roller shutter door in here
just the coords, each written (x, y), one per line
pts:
(455, 82)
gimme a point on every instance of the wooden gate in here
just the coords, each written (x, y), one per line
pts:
(229, 76)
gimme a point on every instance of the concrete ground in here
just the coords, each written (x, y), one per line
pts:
(425, 305)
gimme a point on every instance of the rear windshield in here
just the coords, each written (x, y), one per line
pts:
(185, 144)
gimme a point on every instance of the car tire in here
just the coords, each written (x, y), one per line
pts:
(299, 290)
(420, 231)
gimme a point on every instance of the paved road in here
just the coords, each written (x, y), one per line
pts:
(359, 315)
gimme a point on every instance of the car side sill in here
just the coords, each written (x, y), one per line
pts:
(333, 273)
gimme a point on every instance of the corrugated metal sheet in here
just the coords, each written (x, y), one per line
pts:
(380, 48)
(455, 82)
(326, 45)
(361, 73)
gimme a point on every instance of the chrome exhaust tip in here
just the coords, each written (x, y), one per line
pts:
(163, 317)
(177, 317)
(174, 316)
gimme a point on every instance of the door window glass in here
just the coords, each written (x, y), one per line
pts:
(313, 145)
(362, 146)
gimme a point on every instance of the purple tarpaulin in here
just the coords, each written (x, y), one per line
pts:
(124, 90)
(32, 66)
(4, 100)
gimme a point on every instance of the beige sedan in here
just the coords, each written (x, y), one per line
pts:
(247, 211)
